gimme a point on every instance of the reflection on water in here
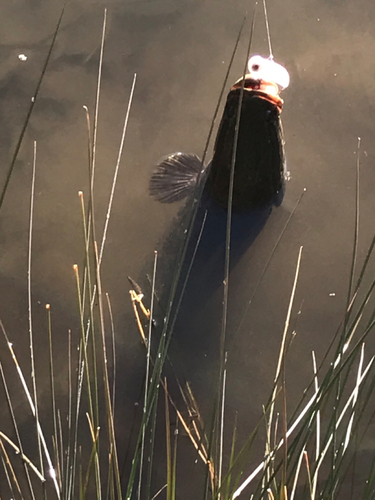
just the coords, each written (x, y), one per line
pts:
(180, 52)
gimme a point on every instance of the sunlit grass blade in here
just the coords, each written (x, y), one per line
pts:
(110, 482)
(168, 443)
(74, 447)
(350, 402)
(148, 360)
(150, 457)
(174, 464)
(31, 338)
(55, 447)
(297, 474)
(119, 156)
(239, 461)
(306, 425)
(86, 365)
(53, 396)
(280, 374)
(107, 392)
(328, 440)
(221, 439)
(198, 427)
(355, 236)
(92, 142)
(32, 407)
(113, 352)
(18, 449)
(86, 369)
(9, 482)
(69, 419)
(93, 457)
(60, 462)
(87, 289)
(9, 472)
(197, 443)
(354, 402)
(158, 492)
(97, 99)
(307, 464)
(284, 335)
(231, 460)
(318, 426)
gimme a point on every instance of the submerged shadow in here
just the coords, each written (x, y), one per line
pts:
(201, 274)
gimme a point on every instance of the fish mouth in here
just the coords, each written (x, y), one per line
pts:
(264, 90)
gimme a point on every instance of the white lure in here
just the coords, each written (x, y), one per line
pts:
(268, 70)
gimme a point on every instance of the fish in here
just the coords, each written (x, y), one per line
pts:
(259, 180)
(260, 166)
(260, 176)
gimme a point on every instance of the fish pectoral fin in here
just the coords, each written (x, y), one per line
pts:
(175, 177)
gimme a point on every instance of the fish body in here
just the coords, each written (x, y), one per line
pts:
(259, 170)
(259, 178)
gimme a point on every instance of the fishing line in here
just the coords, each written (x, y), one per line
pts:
(268, 30)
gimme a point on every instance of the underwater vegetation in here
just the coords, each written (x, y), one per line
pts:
(74, 426)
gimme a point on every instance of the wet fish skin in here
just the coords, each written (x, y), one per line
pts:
(259, 171)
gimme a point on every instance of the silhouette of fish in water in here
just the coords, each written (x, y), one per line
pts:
(259, 181)
(259, 170)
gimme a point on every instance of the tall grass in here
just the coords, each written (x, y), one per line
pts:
(307, 454)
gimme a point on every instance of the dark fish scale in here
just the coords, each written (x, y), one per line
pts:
(260, 163)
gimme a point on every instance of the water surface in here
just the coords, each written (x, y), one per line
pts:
(180, 51)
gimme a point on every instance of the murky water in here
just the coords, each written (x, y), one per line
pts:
(180, 51)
